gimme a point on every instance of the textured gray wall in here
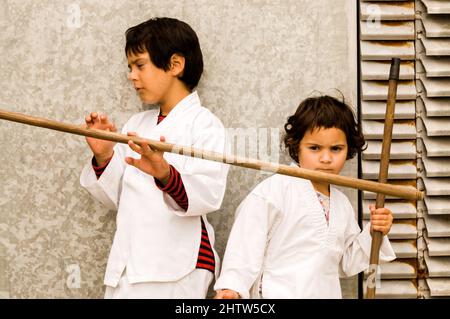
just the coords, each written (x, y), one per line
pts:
(261, 58)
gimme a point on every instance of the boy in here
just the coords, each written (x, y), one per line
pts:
(163, 245)
(293, 238)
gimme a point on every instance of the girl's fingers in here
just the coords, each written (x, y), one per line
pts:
(380, 223)
(380, 217)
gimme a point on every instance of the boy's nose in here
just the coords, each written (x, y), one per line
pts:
(131, 76)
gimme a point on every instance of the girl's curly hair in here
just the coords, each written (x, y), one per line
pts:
(322, 112)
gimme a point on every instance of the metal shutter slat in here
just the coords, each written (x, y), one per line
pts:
(437, 7)
(376, 110)
(439, 287)
(437, 225)
(374, 130)
(436, 26)
(437, 266)
(388, 11)
(436, 186)
(436, 106)
(399, 150)
(435, 66)
(401, 230)
(436, 126)
(394, 289)
(436, 87)
(396, 170)
(404, 248)
(436, 46)
(436, 205)
(436, 167)
(438, 246)
(385, 50)
(383, 30)
(378, 90)
(434, 146)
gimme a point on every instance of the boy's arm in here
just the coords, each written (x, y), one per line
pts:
(203, 181)
(174, 188)
(246, 247)
(104, 182)
(358, 243)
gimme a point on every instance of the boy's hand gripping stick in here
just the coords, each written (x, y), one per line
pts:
(377, 236)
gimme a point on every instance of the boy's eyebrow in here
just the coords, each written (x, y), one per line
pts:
(136, 61)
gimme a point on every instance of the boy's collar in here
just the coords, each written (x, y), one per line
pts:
(188, 101)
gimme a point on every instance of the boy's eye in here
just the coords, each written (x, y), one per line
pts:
(140, 66)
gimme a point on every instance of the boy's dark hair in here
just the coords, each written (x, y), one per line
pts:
(163, 37)
(322, 112)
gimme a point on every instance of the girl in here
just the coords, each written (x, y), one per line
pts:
(293, 238)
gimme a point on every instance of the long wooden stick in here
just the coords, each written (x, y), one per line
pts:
(377, 236)
(393, 190)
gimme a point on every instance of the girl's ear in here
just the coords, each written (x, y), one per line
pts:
(177, 63)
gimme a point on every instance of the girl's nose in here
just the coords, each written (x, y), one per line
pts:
(325, 157)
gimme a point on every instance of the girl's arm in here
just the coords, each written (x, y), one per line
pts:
(247, 245)
(358, 245)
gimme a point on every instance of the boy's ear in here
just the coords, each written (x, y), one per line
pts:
(177, 64)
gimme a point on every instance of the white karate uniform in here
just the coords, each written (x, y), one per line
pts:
(155, 239)
(281, 247)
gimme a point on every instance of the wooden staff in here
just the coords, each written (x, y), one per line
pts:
(393, 190)
(377, 236)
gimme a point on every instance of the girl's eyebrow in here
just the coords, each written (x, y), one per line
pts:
(317, 143)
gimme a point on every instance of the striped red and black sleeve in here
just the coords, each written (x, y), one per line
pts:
(99, 169)
(175, 188)
(205, 259)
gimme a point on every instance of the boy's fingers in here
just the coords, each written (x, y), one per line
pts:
(135, 147)
(146, 148)
(103, 119)
(130, 161)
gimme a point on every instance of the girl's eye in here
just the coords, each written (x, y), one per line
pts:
(336, 148)
(314, 148)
